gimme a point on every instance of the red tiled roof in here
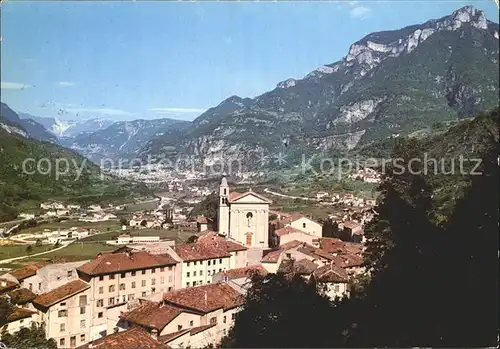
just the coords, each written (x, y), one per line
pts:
(272, 256)
(200, 251)
(21, 296)
(192, 331)
(304, 266)
(234, 195)
(19, 313)
(120, 262)
(315, 252)
(61, 293)
(212, 237)
(202, 220)
(331, 273)
(288, 230)
(133, 338)
(27, 271)
(347, 261)
(6, 285)
(205, 298)
(354, 248)
(245, 272)
(332, 245)
(152, 315)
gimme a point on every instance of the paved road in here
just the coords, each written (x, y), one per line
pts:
(288, 196)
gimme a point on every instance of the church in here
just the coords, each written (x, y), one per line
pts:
(243, 217)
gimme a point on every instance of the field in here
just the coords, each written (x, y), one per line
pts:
(177, 235)
(101, 226)
(11, 251)
(143, 206)
(77, 251)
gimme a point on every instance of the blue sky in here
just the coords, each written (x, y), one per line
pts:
(126, 60)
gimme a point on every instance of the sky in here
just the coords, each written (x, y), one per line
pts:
(130, 60)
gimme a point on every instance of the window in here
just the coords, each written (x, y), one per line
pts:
(143, 283)
(101, 278)
(111, 301)
(111, 288)
(208, 273)
(201, 282)
(170, 268)
(225, 191)
(100, 302)
(63, 304)
(99, 315)
(196, 262)
(224, 319)
(233, 316)
(208, 262)
(112, 277)
(187, 284)
(153, 271)
(131, 297)
(249, 217)
(39, 286)
(201, 272)
(70, 273)
(82, 310)
(194, 283)
(143, 294)
(220, 270)
(303, 225)
(31, 287)
(143, 272)
(133, 284)
(191, 323)
(62, 313)
(162, 269)
(224, 332)
(179, 327)
(62, 327)
(61, 342)
(82, 338)
(220, 261)
(153, 281)
(337, 288)
(82, 323)
(213, 321)
(170, 288)
(122, 287)
(188, 264)
(122, 275)
(133, 273)
(21, 321)
(101, 290)
(162, 279)
(170, 278)
(72, 341)
(194, 273)
(188, 274)
(288, 255)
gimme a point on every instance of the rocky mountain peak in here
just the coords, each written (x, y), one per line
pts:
(287, 83)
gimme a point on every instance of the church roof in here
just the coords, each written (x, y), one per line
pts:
(234, 196)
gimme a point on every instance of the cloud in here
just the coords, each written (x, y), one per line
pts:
(359, 11)
(65, 83)
(14, 85)
(103, 111)
(176, 110)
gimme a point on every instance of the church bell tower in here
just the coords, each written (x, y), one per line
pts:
(223, 212)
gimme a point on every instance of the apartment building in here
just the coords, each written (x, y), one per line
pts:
(190, 317)
(117, 279)
(200, 262)
(67, 314)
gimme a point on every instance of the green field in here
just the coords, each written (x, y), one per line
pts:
(177, 235)
(101, 226)
(12, 251)
(144, 206)
(77, 251)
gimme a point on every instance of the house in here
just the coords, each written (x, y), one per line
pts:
(320, 195)
(202, 224)
(332, 281)
(290, 233)
(240, 278)
(62, 212)
(243, 217)
(122, 277)
(238, 253)
(19, 318)
(199, 262)
(133, 338)
(27, 216)
(354, 231)
(7, 286)
(67, 313)
(23, 276)
(22, 297)
(301, 222)
(125, 239)
(196, 309)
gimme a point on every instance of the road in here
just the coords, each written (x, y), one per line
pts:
(10, 260)
(288, 196)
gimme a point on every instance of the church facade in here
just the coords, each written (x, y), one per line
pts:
(243, 217)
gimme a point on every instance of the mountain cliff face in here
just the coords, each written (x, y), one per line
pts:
(389, 83)
(68, 128)
(120, 139)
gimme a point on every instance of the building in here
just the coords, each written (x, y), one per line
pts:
(238, 253)
(243, 217)
(67, 313)
(240, 279)
(125, 239)
(210, 309)
(290, 233)
(23, 276)
(353, 230)
(200, 262)
(117, 279)
(133, 338)
(19, 318)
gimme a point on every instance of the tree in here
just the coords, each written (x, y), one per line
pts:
(123, 221)
(29, 249)
(33, 337)
(192, 239)
(276, 305)
(38, 243)
(5, 310)
(144, 223)
(273, 216)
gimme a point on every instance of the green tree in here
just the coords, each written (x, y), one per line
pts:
(123, 221)
(33, 337)
(192, 239)
(29, 249)
(38, 243)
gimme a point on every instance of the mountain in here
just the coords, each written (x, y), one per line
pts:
(68, 128)
(121, 139)
(390, 83)
(32, 128)
(28, 173)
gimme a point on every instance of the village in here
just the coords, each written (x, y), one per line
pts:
(178, 294)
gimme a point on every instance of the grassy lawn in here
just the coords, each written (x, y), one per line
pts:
(77, 251)
(146, 206)
(102, 226)
(177, 235)
(11, 251)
